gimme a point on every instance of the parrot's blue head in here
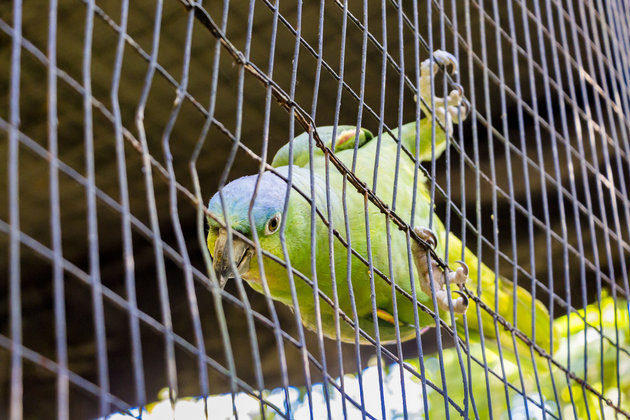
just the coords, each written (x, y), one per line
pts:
(266, 209)
(266, 213)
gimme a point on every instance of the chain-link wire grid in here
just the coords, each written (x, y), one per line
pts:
(122, 119)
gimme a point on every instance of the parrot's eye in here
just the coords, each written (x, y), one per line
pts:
(272, 224)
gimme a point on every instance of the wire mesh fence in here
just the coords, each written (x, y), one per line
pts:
(262, 205)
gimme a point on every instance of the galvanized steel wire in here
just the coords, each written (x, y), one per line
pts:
(591, 42)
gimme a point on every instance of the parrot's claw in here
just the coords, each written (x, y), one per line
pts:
(445, 59)
(427, 236)
(460, 304)
(458, 276)
(447, 110)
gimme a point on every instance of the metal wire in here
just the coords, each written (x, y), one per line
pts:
(14, 219)
(571, 97)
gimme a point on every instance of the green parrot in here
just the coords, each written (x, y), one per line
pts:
(234, 202)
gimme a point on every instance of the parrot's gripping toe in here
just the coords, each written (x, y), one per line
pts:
(460, 275)
(450, 109)
(429, 271)
(427, 235)
(445, 59)
(460, 304)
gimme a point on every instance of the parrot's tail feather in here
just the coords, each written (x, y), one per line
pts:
(503, 309)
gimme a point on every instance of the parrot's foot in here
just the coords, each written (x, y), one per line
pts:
(458, 277)
(446, 109)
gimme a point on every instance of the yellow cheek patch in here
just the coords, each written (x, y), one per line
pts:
(386, 316)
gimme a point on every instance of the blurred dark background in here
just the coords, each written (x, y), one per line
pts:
(511, 48)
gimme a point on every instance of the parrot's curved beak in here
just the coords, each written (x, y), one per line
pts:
(222, 264)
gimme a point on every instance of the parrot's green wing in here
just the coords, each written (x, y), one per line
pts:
(344, 139)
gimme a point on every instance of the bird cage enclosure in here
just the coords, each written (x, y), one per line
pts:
(383, 140)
